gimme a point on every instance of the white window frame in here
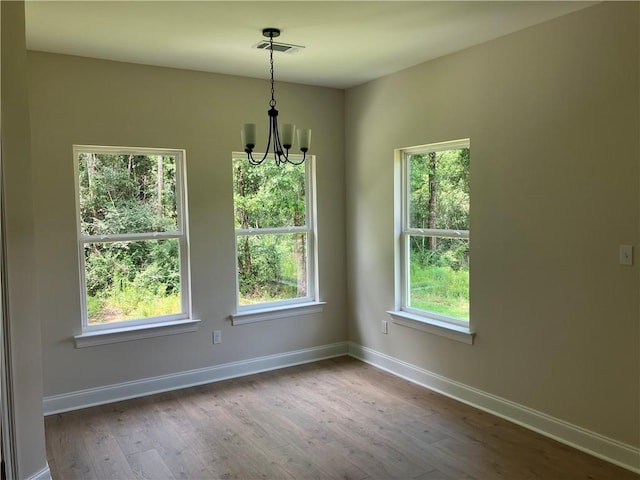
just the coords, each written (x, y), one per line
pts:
(404, 314)
(125, 330)
(294, 306)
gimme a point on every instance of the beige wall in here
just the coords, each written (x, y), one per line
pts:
(25, 391)
(86, 101)
(552, 114)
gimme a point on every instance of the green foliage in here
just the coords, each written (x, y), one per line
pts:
(127, 302)
(440, 289)
(268, 195)
(127, 194)
(270, 267)
(147, 271)
(440, 252)
(259, 257)
(450, 175)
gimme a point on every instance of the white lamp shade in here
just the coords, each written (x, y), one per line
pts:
(304, 138)
(248, 134)
(286, 137)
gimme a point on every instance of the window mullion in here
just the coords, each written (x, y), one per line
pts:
(272, 230)
(434, 232)
(126, 237)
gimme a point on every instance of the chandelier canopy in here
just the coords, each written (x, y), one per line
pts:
(282, 140)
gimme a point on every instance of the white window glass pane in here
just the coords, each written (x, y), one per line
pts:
(439, 190)
(268, 195)
(439, 275)
(127, 193)
(132, 280)
(272, 267)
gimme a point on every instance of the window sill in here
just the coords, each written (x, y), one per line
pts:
(431, 325)
(273, 313)
(125, 334)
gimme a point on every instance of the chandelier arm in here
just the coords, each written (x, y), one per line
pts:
(293, 162)
(266, 150)
(278, 149)
(273, 131)
(252, 160)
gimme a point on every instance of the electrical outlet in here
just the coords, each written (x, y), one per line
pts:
(626, 255)
(385, 327)
(217, 336)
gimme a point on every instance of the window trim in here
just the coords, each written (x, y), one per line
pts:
(276, 312)
(135, 332)
(142, 327)
(295, 306)
(403, 314)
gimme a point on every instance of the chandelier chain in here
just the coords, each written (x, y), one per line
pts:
(272, 103)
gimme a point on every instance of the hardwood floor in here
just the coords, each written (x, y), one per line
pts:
(338, 418)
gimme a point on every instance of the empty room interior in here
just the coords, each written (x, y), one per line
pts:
(491, 149)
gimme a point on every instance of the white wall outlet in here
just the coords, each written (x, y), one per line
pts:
(385, 327)
(626, 255)
(217, 336)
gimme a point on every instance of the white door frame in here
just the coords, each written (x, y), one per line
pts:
(7, 427)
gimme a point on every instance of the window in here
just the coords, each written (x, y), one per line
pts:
(132, 237)
(434, 234)
(275, 235)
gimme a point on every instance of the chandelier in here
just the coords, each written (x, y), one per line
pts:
(282, 140)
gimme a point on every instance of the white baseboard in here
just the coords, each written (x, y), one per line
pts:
(123, 391)
(44, 474)
(608, 449)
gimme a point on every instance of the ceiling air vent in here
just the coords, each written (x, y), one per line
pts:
(278, 47)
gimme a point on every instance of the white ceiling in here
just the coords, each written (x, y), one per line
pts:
(347, 43)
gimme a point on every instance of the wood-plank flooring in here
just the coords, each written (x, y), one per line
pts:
(337, 418)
